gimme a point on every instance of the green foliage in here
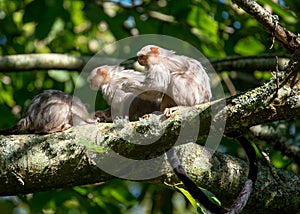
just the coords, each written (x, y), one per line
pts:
(112, 197)
(194, 203)
(217, 28)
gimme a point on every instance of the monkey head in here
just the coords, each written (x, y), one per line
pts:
(98, 77)
(149, 55)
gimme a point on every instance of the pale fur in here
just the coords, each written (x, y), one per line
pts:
(188, 82)
(120, 89)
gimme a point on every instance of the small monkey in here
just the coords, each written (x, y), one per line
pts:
(183, 79)
(114, 83)
(51, 111)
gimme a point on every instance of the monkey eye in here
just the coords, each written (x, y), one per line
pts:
(142, 56)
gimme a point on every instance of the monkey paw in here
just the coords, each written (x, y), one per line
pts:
(169, 111)
(103, 116)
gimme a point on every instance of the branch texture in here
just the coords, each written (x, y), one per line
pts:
(32, 163)
(288, 39)
(23, 62)
(31, 62)
(250, 63)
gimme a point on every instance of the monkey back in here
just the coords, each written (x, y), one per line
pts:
(51, 111)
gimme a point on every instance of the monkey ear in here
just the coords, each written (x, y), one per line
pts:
(155, 50)
(102, 72)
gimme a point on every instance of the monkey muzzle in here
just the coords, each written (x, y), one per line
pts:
(142, 59)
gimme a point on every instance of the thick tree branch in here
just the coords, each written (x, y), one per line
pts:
(288, 39)
(32, 163)
(22, 62)
(250, 63)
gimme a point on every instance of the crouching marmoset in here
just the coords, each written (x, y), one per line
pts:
(115, 82)
(51, 111)
(182, 79)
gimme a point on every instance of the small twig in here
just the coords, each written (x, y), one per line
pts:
(275, 20)
(270, 165)
(228, 83)
(287, 38)
(19, 178)
(172, 185)
(276, 75)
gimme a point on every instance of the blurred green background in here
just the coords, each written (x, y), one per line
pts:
(81, 28)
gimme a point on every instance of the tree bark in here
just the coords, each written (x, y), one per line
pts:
(31, 163)
(32, 62)
(270, 22)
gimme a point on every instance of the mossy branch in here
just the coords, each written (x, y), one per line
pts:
(31, 163)
(271, 23)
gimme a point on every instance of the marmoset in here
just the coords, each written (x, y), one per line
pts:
(51, 111)
(183, 79)
(114, 83)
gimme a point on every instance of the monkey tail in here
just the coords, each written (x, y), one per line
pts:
(22, 125)
(244, 195)
(193, 189)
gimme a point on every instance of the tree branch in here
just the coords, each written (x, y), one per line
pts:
(31, 163)
(23, 62)
(288, 39)
(250, 63)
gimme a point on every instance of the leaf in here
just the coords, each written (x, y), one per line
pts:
(249, 46)
(59, 75)
(211, 196)
(200, 209)
(44, 13)
(188, 196)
